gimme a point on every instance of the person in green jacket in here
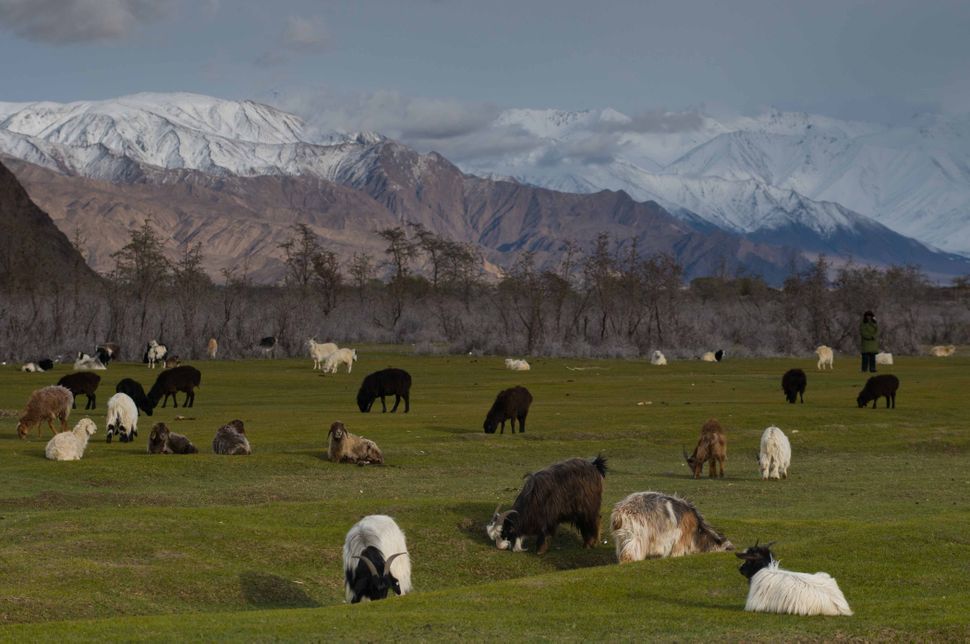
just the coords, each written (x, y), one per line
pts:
(869, 332)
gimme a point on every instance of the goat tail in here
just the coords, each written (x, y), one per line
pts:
(600, 463)
(626, 538)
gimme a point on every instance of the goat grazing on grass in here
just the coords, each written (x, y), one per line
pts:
(876, 387)
(122, 418)
(320, 351)
(340, 357)
(711, 447)
(510, 404)
(653, 524)
(212, 348)
(386, 382)
(826, 357)
(658, 359)
(793, 384)
(50, 404)
(345, 447)
(943, 351)
(376, 560)
(164, 441)
(774, 590)
(135, 391)
(230, 440)
(172, 381)
(775, 454)
(82, 382)
(70, 446)
(568, 491)
(155, 353)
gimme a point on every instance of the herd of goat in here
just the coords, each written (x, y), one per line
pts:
(375, 558)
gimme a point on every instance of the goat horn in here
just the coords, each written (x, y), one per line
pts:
(497, 508)
(370, 564)
(387, 564)
(502, 517)
(686, 456)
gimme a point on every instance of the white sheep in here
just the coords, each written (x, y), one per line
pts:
(345, 447)
(775, 454)
(320, 351)
(884, 358)
(339, 357)
(84, 362)
(825, 357)
(69, 446)
(517, 364)
(122, 418)
(943, 351)
(774, 590)
(658, 359)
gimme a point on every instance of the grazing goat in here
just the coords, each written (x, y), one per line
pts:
(50, 404)
(268, 346)
(171, 381)
(510, 404)
(712, 446)
(386, 382)
(122, 418)
(655, 525)
(70, 446)
(340, 356)
(774, 590)
(516, 365)
(345, 447)
(775, 454)
(155, 353)
(230, 440)
(884, 358)
(164, 441)
(212, 348)
(320, 351)
(376, 560)
(943, 351)
(137, 393)
(571, 490)
(825, 357)
(877, 387)
(793, 384)
(658, 359)
(82, 382)
(84, 362)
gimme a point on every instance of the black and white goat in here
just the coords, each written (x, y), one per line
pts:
(154, 353)
(774, 590)
(376, 560)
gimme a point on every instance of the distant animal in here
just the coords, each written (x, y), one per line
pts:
(711, 447)
(793, 384)
(517, 365)
(70, 446)
(155, 353)
(84, 362)
(648, 525)
(135, 391)
(31, 367)
(884, 358)
(510, 404)
(82, 382)
(376, 560)
(107, 352)
(231, 440)
(712, 356)
(122, 418)
(171, 362)
(826, 357)
(943, 351)
(45, 364)
(658, 359)
(268, 346)
(568, 491)
(340, 357)
(212, 348)
(171, 381)
(320, 351)
(775, 454)
(774, 590)
(719, 355)
(345, 447)
(164, 441)
(878, 386)
(50, 404)
(386, 382)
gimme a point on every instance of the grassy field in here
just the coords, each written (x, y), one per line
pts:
(122, 545)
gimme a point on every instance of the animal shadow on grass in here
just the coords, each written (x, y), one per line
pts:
(263, 590)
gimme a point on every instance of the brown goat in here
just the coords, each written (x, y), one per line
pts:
(711, 447)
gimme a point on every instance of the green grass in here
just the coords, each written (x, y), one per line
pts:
(122, 545)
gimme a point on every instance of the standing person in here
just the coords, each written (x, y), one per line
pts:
(869, 334)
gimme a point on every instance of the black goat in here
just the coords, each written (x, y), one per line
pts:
(882, 385)
(170, 381)
(387, 382)
(164, 441)
(136, 392)
(510, 404)
(793, 384)
(82, 382)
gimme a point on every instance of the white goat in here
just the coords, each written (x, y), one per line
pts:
(122, 418)
(658, 359)
(774, 590)
(339, 357)
(516, 364)
(320, 351)
(376, 560)
(884, 358)
(70, 446)
(84, 362)
(775, 455)
(825, 357)
(156, 353)
(943, 351)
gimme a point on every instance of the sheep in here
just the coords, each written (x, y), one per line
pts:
(122, 418)
(338, 357)
(320, 351)
(825, 357)
(171, 381)
(876, 387)
(656, 525)
(84, 362)
(31, 367)
(48, 403)
(386, 382)
(658, 359)
(345, 447)
(775, 454)
(171, 362)
(82, 382)
(517, 365)
(212, 348)
(943, 351)
(793, 384)
(268, 346)
(711, 446)
(774, 590)
(376, 560)
(230, 440)
(154, 353)
(137, 393)
(70, 446)
(107, 352)
(510, 404)
(164, 441)
(884, 358)
(571, 490)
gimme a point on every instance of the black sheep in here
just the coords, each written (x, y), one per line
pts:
(510, 404)
(82, 382)
(170, 381)
(882, 385)
(387, 382)
(793, 384)
(137, 393)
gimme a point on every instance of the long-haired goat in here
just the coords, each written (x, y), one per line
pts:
(212, 348)
(877, 387)
(172, 381)
(774, 590)
(82, 382)
(154, 353)
(107, 352)
(164, 441)
(230, 440)
(653, 524)
(825, 357)
(943, 351)
(70, 446)
(386, 382)
(712, 447)
(376, 560)
(568, 491)
(658, 359)
(345, 447)
(775, 454)
(122, 418)
(884, 358)
(515, 364)
(793, 384)
(510, 404)
(50, 404)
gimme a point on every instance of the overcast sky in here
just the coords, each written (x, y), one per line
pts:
(443, 63)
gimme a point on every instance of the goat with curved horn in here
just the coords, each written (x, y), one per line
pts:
(364, 549)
